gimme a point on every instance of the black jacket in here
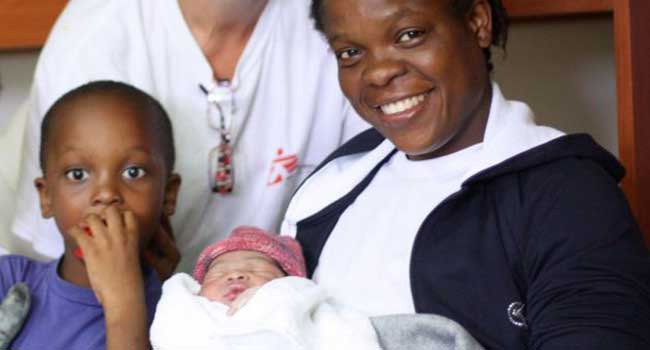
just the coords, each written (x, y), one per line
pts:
(538, 252)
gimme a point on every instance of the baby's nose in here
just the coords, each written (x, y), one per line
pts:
(237, 276)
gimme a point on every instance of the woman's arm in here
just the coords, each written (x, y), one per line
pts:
(587, 270)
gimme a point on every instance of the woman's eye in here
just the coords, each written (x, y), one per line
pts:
(347, 54)
(134, 172)
(76, 174)
(409, 35)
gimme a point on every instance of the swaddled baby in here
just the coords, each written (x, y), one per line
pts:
(231, 271)
(249, 291)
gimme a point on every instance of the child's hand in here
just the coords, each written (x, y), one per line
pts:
(241, 300)
(162, 253)
(111, 256)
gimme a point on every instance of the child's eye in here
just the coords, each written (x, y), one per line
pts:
(409, 35)
(76, 174)
(133, 172)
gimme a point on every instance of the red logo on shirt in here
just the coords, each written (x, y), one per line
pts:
(282, 167)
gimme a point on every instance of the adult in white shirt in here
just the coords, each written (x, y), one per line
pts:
(456, 203)
(251, 76)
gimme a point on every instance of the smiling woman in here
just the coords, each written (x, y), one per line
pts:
(415, 72)
(516, 231)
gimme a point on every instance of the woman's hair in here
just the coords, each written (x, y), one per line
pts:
(460, 7)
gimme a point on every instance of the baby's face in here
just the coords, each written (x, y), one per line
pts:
(234, 272)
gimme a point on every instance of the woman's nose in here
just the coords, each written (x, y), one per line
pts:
(381, 70)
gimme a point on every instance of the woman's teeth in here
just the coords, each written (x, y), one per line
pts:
(402, 105)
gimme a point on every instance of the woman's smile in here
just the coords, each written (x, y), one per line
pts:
(400, 111)
(402, 105)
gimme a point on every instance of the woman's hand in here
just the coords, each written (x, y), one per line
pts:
(112, 259)
(162, 253)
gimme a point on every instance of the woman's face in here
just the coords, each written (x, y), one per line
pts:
(414, 69)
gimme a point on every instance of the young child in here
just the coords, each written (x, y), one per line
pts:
(250, 292)
(107, 155)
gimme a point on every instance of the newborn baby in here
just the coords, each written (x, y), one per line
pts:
(249, 291)
(233, 273)
(232, 270)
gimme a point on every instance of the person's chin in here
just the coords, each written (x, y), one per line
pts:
(424, 153)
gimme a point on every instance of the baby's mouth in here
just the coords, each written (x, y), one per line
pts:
(234, 290)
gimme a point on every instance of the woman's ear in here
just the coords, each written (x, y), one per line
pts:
(479, 19)
(171, 194)
(44, 197)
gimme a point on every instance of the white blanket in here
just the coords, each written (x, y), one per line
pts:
(285, 314)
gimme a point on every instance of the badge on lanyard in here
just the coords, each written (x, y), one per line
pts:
(221, 173)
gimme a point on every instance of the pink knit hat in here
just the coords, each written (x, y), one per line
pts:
(284, 250)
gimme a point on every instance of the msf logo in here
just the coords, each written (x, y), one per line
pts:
(282, 167)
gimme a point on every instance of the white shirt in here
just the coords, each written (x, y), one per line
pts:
(286, 96)
(384, 220)
(366, 259)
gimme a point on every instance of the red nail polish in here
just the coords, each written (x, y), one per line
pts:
(77, 251)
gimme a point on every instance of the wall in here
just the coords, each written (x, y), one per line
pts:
(16, 71)
(565, 70)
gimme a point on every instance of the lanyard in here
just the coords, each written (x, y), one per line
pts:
(220, 170)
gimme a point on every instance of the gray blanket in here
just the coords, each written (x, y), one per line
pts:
(13, 313)
(422, 332)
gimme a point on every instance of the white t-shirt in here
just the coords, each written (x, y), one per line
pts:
(286, 106)
(384, 220)
(366, 259)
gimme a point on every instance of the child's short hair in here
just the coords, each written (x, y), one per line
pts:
(145, 102)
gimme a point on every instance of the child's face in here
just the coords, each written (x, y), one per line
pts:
(102, 153)
(232, 273)
(413, 68)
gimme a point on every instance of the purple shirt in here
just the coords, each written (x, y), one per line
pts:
(62, 315)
